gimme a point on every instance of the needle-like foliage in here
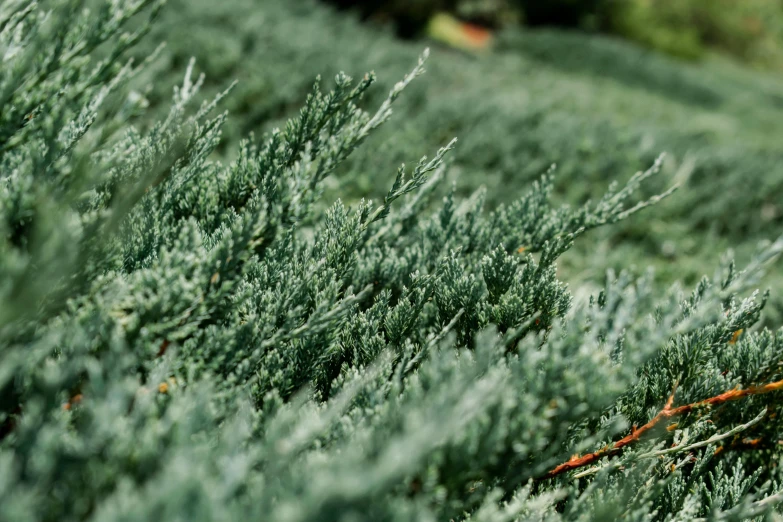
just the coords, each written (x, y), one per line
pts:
(182, 339)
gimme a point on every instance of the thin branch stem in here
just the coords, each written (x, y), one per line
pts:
(687, 447)
(667, 412)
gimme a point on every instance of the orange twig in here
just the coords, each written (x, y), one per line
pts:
(163, 347)
(576, 462)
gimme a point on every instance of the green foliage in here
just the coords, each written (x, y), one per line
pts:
(750, 30)
(598, 108)
(189, 338)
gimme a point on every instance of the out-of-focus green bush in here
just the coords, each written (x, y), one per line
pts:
(749, 29)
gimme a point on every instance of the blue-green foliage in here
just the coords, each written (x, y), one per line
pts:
(188, 339)
(597, 107)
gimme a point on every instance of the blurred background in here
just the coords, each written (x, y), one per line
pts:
(599, 87)
(747, 29)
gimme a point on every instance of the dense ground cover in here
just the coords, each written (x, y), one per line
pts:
(201, 319)
(597, 107)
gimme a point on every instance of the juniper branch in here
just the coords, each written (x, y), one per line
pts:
(667, 412)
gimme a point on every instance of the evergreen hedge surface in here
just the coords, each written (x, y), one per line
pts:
(188, 338)
(598, 108)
